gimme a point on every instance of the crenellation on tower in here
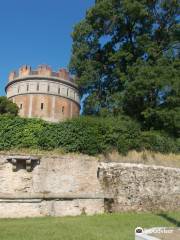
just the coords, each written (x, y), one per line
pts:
(12, 76)
(63, 73)
(44, 70)
(42, 93)
(25, 70)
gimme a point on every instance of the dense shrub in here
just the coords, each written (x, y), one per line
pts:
(17, 132)
(158, 141)
(7, 107)
(79, 135)
(90, 135)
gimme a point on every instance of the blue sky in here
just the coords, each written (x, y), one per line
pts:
(37, 32)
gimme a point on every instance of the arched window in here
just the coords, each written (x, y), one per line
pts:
(59, 90)
(48, 88)
(38, 87)
(62, 109)
(21, 106)
(27, 87)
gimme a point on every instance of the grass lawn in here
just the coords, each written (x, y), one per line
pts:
(100, 227)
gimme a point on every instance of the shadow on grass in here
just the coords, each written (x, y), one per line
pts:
(170, 219)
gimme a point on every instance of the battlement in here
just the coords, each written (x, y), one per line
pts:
(42, 70)
(43, 93)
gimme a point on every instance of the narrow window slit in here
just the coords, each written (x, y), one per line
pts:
(48, 88)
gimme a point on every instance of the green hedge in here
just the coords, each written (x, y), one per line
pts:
(89, 135)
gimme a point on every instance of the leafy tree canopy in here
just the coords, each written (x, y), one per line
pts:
(8, 107)
(126, 59)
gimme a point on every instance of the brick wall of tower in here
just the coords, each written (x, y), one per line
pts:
(48, 107)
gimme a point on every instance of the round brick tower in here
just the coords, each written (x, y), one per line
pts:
(41, 93)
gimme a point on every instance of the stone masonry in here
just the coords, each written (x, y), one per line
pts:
(138, 187)
(79, 184)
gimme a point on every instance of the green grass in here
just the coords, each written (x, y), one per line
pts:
(106, 227)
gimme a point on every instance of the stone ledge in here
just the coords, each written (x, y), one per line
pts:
(114, 166)
(53, 196)
(40, 208)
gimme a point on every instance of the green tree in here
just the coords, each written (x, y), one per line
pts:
(126, 58)
(8, 107)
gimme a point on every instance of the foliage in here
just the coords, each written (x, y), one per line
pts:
(88, 135)
(126, 57)
(8, 107)
(158, 142)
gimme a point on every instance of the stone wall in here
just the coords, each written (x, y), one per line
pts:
(65, 185)
(138, 187)
(78, 184)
